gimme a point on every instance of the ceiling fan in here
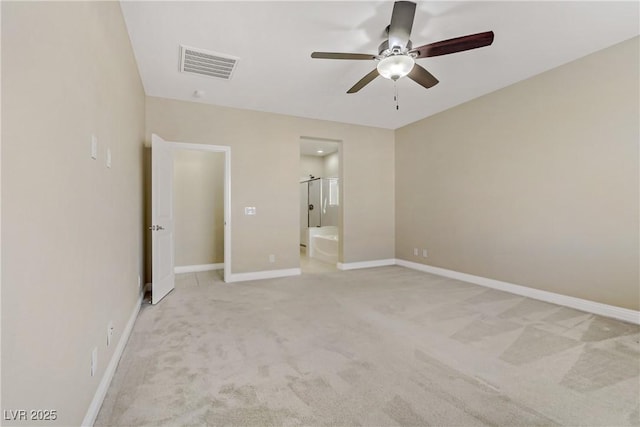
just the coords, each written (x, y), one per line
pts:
(396, 55)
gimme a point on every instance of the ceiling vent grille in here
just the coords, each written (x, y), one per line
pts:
(205, 63)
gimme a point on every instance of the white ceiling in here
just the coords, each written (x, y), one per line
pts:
(274, 40)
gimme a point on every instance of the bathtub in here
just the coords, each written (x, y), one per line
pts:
(323, 243)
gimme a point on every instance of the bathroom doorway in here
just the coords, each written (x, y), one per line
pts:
(320, 204)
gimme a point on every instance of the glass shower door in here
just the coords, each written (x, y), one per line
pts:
(329, 202)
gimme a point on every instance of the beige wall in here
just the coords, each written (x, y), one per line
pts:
(535, 184)
(320, 167)
(311, 165)
(265, 166)
(198, 181)
(331, 165)
(72, 228)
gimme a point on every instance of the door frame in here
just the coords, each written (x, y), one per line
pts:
(227, 193)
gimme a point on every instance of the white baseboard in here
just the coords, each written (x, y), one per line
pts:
(101, 392)
(197, 268)
(366, 264)
(625, 314)
(267, 274)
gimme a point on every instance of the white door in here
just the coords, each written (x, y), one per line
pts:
(163, 276)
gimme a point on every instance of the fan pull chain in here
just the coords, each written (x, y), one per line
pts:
(395, 94)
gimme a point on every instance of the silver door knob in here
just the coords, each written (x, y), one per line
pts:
(159, 227)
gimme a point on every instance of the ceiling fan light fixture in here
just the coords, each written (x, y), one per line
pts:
(395, 67)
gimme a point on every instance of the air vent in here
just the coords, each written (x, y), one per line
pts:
(205, 63)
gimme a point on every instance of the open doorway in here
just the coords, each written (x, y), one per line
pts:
(198, 182)
(202, 224)
(193, 217)
(320, 205)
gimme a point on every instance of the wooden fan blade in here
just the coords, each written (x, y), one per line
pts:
(457, 44)
(401, 24)
(338, 55)
(364, 81)
(421, 76)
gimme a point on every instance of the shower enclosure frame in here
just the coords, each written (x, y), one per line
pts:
(316, 203)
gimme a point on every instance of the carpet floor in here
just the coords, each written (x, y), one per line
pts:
(374, 347)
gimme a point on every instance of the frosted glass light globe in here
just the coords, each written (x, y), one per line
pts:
(395, 66)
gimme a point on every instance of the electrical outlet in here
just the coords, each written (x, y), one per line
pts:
(424, 253)
(109, 333)
(415, 251)
(272, 258)
(94, 361)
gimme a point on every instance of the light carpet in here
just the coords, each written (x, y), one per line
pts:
(376, 347)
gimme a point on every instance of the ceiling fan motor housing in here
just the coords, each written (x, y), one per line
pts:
(384, 50)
